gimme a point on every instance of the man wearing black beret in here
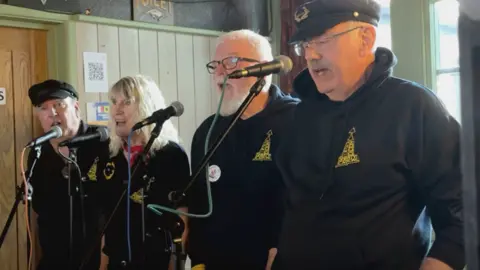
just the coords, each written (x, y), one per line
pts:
(56, 104)
(372, 161)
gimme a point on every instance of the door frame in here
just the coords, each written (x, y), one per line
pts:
(60, 37)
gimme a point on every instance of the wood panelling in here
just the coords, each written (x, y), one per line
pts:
(23, 61)
(108, 43)
(167, 68)
(176, 61)
(21, 82)
(7, 161)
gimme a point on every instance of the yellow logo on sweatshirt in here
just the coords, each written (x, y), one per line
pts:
(92, 172)
(264, 153)
(348, 155)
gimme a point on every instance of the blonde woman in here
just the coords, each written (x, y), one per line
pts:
(141, 247)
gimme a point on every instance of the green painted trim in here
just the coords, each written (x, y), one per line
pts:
(52, 52)
(21, 24)
(9, 12)
(147, 26)
(67, 48)
(411, 40)
(431, 41)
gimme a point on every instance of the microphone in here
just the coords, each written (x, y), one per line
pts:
(281, 64)
(101, 134)
(55, 132)
(175, 109)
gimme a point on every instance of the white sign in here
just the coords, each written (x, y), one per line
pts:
(3, 96)
(95, 72)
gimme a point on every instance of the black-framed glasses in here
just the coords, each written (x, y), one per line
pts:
(300, 47)
(228, 63)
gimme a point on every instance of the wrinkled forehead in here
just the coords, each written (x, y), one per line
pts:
(236, 47)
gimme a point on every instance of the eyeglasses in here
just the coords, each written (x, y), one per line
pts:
(300, 47)
(228, 63)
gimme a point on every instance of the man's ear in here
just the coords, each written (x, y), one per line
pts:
(76, 105)
(368, 38)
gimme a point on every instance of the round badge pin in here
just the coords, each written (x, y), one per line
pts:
(214, 173)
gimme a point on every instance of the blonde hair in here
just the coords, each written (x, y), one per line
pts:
(146, 94)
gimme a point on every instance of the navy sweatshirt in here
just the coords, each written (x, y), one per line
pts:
(247, 189)
(365, 177)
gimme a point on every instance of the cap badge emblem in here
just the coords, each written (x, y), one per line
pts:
(302, 14)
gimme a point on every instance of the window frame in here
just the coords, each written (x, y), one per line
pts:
(437, 71)
(435, 30)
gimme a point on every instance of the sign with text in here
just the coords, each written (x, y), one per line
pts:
(3, 96)
(154, 11)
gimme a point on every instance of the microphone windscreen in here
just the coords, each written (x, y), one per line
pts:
(286, 62)
(104, 134)
(58, 131)
(178, 107)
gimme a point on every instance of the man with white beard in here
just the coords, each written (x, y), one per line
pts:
(247, 190)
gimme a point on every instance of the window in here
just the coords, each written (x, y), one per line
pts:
(384, 35)
(445, 15)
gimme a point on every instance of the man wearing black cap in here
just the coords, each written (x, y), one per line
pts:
(371, 160)
(56, 104)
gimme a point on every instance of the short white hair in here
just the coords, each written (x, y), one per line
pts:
(149, 98)
(259, 42)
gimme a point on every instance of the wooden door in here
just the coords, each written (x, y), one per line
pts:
(23, 62)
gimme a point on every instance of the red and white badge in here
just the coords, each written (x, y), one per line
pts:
(214, 173)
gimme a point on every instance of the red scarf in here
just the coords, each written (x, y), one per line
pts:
(134, 152)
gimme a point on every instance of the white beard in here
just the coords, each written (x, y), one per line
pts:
(230, 106)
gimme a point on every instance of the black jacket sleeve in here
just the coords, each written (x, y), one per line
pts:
(434, 157)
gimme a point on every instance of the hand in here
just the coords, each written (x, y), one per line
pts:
(434, 264)
(271, 257)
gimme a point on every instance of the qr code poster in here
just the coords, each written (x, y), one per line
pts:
(95, 72)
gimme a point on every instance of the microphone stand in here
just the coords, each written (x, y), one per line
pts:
(141, 159)
(254, 91)
(20, 197)
(72, 156)
(179, 255)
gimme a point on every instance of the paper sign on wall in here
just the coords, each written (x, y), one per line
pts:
(3, 96)
(95, 72)
(98, 113)
(102, 111)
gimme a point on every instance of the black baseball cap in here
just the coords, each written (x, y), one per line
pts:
(314, 18)
(51, 89)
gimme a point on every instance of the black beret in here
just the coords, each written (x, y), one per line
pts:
(51, 89)
(316, 17)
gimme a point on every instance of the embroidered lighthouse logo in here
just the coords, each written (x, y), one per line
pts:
(92, 173)
(348, 155)
(264, 153)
